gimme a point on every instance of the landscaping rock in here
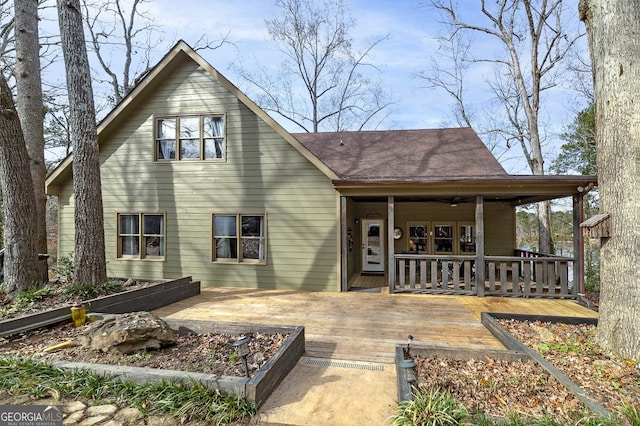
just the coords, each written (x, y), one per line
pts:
(128, 333)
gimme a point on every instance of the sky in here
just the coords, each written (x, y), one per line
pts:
(412, 27)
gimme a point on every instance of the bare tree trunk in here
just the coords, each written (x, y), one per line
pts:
(31, 112)
(614, 54)
(89, 254)
(21, 256)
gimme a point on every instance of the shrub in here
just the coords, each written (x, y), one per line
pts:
(65, 268)
(430, 407)
(85, 291)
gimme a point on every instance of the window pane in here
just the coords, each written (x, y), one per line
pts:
(166, 150)
(467, 239)
(443, 238)
(129, 224)
(418, 236)
(153, 224)
(213, 148)
(224, 226)
(154, 246)
(130, 246)
(253, 248)
(213, 127)
(166, 128)
(190, 127)
(226, 248)
(189, 148)
(252, 226)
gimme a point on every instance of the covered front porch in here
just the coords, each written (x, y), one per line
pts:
(448, 238)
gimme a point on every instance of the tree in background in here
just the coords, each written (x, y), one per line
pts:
(614, 52)
(21, 254)
(535, 43)
(89, 250)
(31, 111)
(321, 84)
(578, 154)
(123, 37)
(110, 25)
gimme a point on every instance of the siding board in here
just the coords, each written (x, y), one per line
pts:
(262, 173)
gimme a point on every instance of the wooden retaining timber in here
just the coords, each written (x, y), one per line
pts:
(256, 389)
(260, 386)
(143, 299)
(457, 353)
(515, 350)
(490, 320)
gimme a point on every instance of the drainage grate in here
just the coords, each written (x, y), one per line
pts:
(322, 362)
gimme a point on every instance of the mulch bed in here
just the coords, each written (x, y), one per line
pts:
(500, 388)
(57, 298)
(204, 353)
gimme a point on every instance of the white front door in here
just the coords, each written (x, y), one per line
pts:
(373, 245)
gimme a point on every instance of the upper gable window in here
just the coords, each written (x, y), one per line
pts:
(193, 137)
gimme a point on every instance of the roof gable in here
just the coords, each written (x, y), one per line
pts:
(403, 155)
(180, 53)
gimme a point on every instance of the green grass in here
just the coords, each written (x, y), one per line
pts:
(184, 401)
(437, 407)
(430, 407)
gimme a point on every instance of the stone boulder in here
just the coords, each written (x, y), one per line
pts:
(128, 333)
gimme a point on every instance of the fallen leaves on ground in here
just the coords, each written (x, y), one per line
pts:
(612, 381)
(212, 353)
(501, 388)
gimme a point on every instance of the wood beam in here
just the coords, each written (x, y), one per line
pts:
(480, 246)
(391, 224)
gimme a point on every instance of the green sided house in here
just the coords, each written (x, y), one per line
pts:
(198, 181)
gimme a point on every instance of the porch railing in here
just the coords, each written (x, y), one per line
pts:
(435, 274)
(514, 276)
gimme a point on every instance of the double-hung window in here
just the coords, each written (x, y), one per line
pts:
(239, 237)
(141, 235)
(188, 138)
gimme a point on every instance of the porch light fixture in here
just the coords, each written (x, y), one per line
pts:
(242, 349)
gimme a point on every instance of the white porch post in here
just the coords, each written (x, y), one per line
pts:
(391, 224)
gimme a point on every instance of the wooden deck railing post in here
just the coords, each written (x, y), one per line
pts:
(391, 223)
(480, 246)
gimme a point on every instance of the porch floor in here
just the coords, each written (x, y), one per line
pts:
(362, 329)
(366, 326)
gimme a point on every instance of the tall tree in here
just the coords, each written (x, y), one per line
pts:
(89, 251)
(31, 111)
(579, 150)
(534, 42)
(111, 24)
(21, 254)
(322, 84)
(612, 29)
